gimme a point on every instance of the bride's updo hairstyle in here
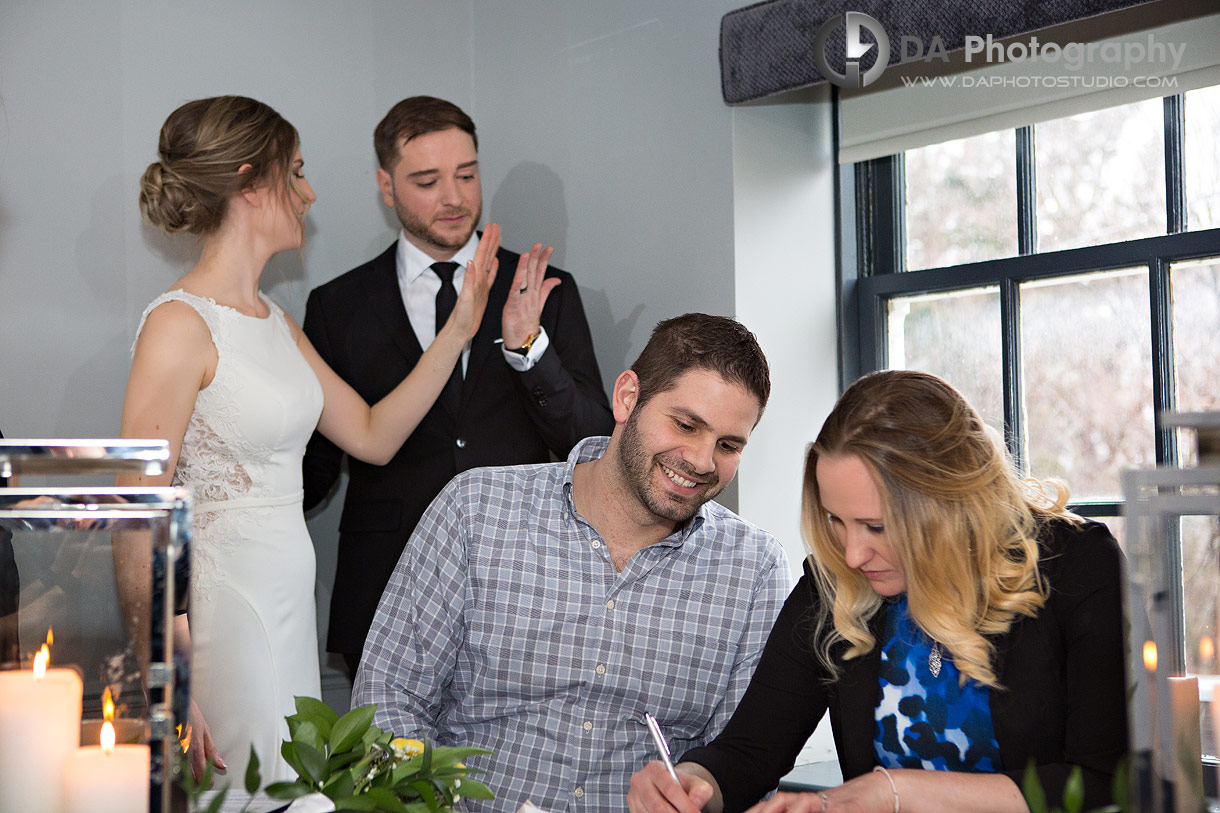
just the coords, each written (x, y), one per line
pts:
(203, 146)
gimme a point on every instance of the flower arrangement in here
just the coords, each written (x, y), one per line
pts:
(359, 766)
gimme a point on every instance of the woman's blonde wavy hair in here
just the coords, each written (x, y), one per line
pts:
(961, 521)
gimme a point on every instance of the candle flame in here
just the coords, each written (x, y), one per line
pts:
(107, 737)
(1150, 655)
(107, 705)
(40, 662)
(50, 637)
(1207, 648)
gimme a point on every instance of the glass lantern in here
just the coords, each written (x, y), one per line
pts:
(1173, 608)
(91, 578)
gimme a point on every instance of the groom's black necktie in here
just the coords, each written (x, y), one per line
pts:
(451, 396)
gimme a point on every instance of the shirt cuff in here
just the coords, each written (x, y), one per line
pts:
(522, 363)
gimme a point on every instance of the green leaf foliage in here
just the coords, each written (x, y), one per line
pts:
(313, 762)
(425, 764)
(336, 761)
(308, 733)
(351, 761)
(448, 757)
(317, 712)
(288, 750)
(218, 801)
(387, 800)
(424, 789)
(288, 790)
(1073, 791)
(1031, 788)
(253, 779)
(474, 789)
(340, 786)
(1121, 788)
(351, 727)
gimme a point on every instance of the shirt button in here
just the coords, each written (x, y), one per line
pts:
(601, 669)
(597, 543)
(610, 604)
(460, 443)
(578, 793)
(588, 726)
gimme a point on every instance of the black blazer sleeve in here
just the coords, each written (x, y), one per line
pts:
(323, 459)
(782, 706)
(1065, 703)
(563, 392)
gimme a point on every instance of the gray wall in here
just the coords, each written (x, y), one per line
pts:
(602, 133)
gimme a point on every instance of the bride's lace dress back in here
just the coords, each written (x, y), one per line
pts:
(252, 616)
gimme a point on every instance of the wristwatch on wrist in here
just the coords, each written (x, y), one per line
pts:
(529, 342)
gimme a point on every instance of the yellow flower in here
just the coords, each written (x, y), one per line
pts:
(405, 748)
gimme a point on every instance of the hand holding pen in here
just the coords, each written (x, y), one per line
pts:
(654, 728)
(659, 788)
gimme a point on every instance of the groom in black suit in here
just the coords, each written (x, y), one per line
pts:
(528, 387)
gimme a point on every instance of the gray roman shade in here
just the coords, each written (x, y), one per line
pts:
(767, 48)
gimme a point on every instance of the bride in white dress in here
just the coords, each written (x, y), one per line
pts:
(237, 389)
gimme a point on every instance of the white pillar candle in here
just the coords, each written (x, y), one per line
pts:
(106, 778)
(1188, 766)
(39, 728)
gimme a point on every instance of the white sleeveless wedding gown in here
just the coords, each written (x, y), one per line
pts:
(252, 611)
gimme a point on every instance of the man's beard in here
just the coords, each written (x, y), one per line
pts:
(425, 231)
(637, 468)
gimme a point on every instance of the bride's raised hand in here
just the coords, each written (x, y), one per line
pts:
(199, 746)
(476, 285)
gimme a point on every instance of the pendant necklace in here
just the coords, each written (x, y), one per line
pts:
(934, 659)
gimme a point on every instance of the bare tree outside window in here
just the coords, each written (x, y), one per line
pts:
(961, 201)
(1101, 176)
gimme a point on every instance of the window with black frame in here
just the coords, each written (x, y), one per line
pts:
(1065, 276)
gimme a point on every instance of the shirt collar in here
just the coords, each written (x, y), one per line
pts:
(594, 448)
(412, 262)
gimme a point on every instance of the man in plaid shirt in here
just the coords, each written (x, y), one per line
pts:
(540, 611)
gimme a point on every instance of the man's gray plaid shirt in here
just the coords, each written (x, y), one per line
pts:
(505, 625)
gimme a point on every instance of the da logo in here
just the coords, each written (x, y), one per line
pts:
(852, 22)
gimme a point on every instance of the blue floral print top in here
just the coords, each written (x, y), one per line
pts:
(926, 721)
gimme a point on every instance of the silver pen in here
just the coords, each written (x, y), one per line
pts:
(662, 746)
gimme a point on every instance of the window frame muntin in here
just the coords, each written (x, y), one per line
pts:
(872, 272)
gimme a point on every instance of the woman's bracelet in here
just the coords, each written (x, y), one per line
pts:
(893, 787)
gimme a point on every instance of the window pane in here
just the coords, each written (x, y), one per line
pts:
(1196, 320)
(961, 201)
(957, 337)
(1087, 375)
(1101, 176)
(1200, 560)
(1202, 164)
(1196, 365)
